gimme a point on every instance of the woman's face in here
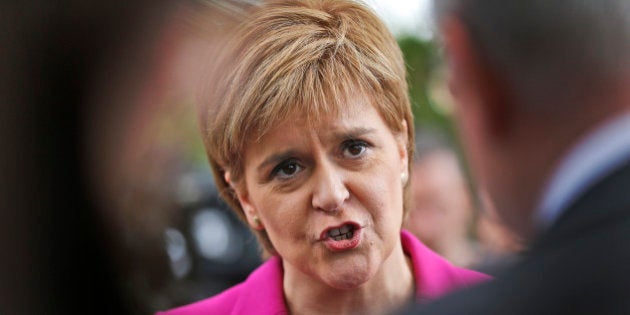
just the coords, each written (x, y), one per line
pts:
(328, 194)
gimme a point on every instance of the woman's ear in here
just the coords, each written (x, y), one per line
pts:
(251, 213)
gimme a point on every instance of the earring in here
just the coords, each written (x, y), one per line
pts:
(404, 177)
(257, 223)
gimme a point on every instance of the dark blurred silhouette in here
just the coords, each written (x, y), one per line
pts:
(56, 250)
(101, 215)
(543, 111)
(175, 239)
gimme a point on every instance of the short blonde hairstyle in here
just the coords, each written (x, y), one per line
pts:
(304, 57)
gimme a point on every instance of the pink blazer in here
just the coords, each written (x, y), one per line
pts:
(261, 292)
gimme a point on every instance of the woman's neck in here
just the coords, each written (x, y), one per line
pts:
(389, 289)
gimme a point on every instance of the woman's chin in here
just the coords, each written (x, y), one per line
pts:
(348, 276)
(347, 283)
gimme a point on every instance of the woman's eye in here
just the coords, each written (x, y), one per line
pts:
(354, 148)
(286, 170)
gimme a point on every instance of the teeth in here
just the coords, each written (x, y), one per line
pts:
(345, 229)
(345, 236)
(342, 233)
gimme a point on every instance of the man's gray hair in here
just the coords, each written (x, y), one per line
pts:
(548, 50)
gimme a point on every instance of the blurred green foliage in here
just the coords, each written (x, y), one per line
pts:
(422, 59)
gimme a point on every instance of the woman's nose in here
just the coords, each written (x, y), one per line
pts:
(330, 190)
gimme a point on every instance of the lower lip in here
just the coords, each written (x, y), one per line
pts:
(347, 244)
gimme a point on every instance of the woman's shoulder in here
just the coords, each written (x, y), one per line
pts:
(261, 293)
(436, 276)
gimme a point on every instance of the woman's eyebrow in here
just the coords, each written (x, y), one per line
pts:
(352, 133)
(276, 158)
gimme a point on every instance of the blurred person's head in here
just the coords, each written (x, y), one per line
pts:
(529, 78)
(440, 209)
(142, 145)
(62, 253)
(311, 129)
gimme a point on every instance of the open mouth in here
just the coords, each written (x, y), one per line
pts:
(345, 231)
(346, 236)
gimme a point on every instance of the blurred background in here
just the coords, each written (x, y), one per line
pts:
(109, 201)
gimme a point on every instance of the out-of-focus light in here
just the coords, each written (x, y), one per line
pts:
(215, 237)
(177, 252)
(188, 190)
(405, 17)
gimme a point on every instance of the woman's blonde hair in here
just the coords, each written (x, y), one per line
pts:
(300, 57)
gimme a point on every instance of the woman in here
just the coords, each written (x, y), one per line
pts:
(310, 141)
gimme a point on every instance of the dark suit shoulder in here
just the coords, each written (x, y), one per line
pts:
(579, 266)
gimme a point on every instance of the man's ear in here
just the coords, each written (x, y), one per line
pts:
(251, 213)
(474, 83)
